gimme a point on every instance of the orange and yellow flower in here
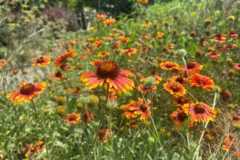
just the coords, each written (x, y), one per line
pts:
(41, 61)
(149, 84)
(193, 67)
(228, 142)
(178, 117)
(143, 2)
(170, 66)
(61, 60)
(31, 149)
(221, 38)
(129, 51)
(123, 39)
(108, 73)
(139, 109)
(109, 21)
(26, 92)
(198, 80)
(174, 88)
(101, 16)
(3, 63)
(58, 75)
(145, 88)
(72, 118)
(199, 112)
(159, 35)
(178, 79)
(181, 100)
(103, 54)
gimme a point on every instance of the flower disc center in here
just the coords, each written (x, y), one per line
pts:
(107, 69)
(199, 109)
(27, 89)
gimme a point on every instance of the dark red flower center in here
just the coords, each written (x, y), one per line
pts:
(27, 89)
(199, 109)
(170, 65)
(143, 108)
(181, 116)
(175, 88)
(191, 65)
(58, 74)
(236, 118)
(40, 60)
(72, 118)
(107, 69)
(181, 100)
(180, 80)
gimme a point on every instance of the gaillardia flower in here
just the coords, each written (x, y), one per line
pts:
(61, 60)
(31, 149)
(108, 73)
(3, 63)
(41, 61)
(170, 66)
(228, 142)
(178, 117)
(26, 92)
(72, 118)
(149, 84)
(198, 80)
(221, 38)
(178, 79)
(199, 112)
(174, 88)
(137, 109)
(193, 67)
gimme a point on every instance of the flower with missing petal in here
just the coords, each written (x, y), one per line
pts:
(108, 73)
